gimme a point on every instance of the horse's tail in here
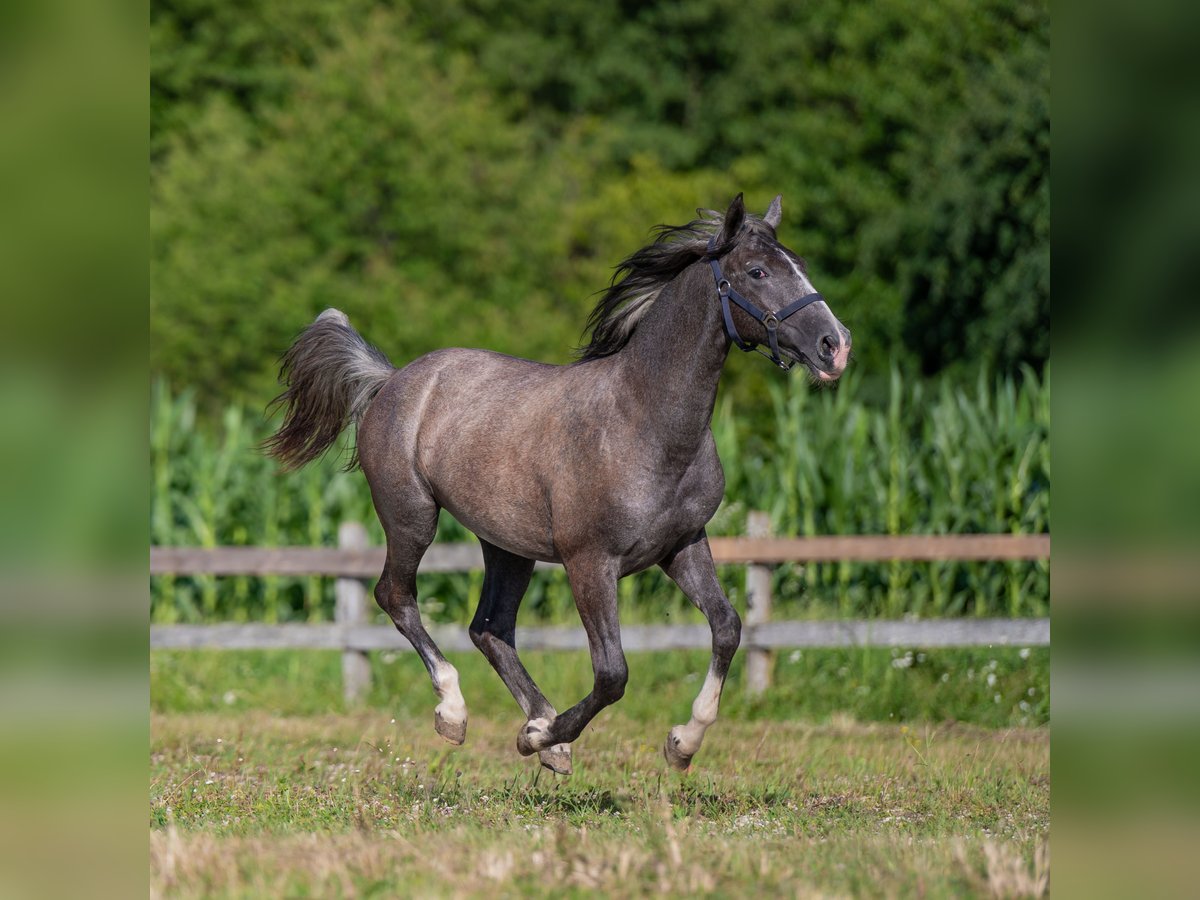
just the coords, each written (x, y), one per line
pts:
(330, 375)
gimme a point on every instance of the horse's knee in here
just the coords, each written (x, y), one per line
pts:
(611, 680)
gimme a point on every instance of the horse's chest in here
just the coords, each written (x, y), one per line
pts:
(696, 498)
(638, 512)
(660, 513)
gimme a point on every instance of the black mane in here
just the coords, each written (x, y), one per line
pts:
(639, 278)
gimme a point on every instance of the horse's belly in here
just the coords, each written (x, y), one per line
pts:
(518, 525)
(483, 476)
(517, 502)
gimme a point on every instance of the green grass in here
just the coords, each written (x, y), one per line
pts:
(264, 784)
(988, 687)
(255, 804)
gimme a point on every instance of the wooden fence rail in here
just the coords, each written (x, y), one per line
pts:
(367, 562)
(352, 562)
(770, 636)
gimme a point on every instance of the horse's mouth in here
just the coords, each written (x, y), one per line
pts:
(817, 373)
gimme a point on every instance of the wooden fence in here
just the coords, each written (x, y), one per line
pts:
(353, 562)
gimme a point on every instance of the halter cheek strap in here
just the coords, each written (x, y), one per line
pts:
(769, 320)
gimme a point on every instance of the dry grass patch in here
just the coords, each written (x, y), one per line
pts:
(678, 860)
(348, 805)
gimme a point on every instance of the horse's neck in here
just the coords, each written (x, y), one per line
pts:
(674, 359)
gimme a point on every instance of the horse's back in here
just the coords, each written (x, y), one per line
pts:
(471, 427)
(534, 458)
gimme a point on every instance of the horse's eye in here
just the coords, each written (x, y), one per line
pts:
(756, 272)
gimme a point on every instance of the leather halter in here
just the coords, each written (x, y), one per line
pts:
(769, 320)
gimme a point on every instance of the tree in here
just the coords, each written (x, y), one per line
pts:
(382, 187)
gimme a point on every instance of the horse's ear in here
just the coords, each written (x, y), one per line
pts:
(734, 216)
(775, 212)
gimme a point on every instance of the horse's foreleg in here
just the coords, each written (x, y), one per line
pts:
(692, 569)
(594, 584)
(493, 630)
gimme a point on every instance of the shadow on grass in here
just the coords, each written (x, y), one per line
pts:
(683, 800)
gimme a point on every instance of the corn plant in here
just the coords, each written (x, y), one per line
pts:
(930, 459)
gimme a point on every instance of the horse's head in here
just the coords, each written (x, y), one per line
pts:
(768, 299)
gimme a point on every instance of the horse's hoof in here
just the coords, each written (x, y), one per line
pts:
(534, 736)
(454, 732)
(557, 758)
(676, 759)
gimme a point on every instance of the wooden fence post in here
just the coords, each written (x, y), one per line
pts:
(758, 608)
(351, 609)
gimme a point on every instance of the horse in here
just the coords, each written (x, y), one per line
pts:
(606, 465)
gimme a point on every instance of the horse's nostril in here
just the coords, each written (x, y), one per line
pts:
(829, 346)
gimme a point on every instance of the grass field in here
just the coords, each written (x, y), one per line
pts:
(255, 791)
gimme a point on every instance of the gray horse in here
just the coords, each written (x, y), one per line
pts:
(606, 465)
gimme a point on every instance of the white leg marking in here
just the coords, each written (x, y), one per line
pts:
(704, 713)
(534, 736)
(453, 707)
(538, 733)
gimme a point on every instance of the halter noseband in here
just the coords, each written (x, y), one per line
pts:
(770, 320)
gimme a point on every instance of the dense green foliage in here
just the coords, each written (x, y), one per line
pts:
(465, 172)
(951, 460)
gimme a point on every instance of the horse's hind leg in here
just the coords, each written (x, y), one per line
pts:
(691, 567)
(408, 537)
(505, 580)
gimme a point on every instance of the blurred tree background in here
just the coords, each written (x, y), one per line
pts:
(468, 172)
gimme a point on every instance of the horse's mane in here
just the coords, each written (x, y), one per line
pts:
(640, 278)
